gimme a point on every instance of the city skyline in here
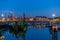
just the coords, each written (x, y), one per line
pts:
(10, 12)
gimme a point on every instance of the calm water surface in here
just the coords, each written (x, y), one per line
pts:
(32, 34)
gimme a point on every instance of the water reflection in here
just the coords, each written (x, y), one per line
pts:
(29, 34)
(16, 31)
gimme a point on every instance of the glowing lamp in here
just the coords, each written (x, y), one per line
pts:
(53, 15)
(2, 15)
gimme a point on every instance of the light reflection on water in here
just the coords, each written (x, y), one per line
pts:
(32, 34)
(38, 34)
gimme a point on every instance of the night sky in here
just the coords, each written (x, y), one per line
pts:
(30, 7)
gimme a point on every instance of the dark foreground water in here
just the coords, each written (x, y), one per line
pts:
(32, 34)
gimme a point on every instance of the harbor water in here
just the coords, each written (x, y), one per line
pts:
(31, 34)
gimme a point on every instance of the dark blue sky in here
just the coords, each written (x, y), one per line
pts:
(30, 7)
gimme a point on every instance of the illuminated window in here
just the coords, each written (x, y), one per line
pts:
(31, 19)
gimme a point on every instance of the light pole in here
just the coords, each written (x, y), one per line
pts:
(2, 17)
(53, 15)
(51, 22)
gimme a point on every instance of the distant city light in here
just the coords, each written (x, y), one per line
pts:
(2, 15)
(53, 15)
(31, 19)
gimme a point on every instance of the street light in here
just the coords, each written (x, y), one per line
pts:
(53, 15)
(2, 19)
(2, 15)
